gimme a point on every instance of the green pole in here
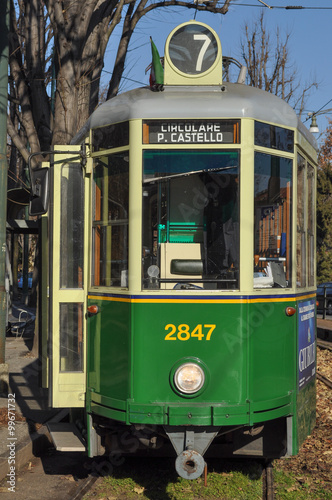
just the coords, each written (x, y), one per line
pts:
(25, 287)
(4, 53)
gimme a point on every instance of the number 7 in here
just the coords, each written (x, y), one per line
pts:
(203, 50)
(209, 333)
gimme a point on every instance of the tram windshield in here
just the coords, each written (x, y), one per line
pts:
(190, 219)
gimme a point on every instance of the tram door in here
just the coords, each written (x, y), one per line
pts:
(68, 275)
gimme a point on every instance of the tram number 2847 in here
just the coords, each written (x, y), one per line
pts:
(182, 332)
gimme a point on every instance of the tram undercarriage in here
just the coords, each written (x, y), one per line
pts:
(189, 445)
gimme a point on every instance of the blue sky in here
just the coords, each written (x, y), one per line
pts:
(310, 43)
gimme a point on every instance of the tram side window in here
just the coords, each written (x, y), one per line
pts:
(111, 136)
(110, 221)
(72, 226)
(301, 223)
(272, 230)
(71, 337)
(305, 251)
(271, 136)
(311, 225)
(190, 219)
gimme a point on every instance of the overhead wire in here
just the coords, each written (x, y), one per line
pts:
(320, 109)
(324, 106)
(285, 7)
(125, 77)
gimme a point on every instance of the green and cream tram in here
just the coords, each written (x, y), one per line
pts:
(181, 268)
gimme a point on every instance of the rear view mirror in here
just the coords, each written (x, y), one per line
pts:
(39, 191)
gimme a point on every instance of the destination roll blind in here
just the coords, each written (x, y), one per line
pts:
(191, 132)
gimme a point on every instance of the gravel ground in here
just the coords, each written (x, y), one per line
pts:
(313, 464)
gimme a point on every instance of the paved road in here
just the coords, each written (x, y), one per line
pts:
(55, 476)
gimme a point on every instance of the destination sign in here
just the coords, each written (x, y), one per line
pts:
(191, 132)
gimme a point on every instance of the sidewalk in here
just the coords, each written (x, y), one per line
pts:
(324, 328)
(23, 434)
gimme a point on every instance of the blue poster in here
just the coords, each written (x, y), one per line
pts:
(307, 342)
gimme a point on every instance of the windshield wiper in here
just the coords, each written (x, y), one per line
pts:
(185, 174)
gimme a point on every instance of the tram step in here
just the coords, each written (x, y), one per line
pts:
(66, 436)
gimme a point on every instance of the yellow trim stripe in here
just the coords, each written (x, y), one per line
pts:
(201, 301)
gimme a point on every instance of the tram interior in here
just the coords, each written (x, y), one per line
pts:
(191, 221)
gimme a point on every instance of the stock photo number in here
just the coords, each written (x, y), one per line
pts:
(11, 444)
(182, 332)
(11, 414)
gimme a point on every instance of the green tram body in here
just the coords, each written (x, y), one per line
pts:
(170, 291)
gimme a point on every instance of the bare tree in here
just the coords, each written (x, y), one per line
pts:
(57, 51)
(324, 208)
(65, 42)
(270, 66)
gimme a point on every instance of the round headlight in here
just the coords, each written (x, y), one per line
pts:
(189, 378)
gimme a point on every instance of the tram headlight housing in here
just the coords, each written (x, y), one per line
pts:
(189, 378)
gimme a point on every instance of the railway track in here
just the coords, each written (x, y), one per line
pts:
(324, 379)
(267, 483)
(84, 487)
(324, 344)
(267, 478)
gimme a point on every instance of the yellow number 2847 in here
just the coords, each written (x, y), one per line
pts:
(182, 332)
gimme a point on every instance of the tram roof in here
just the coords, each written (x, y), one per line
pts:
(232, 100)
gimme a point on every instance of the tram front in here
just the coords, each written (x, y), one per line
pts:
(199, 276)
